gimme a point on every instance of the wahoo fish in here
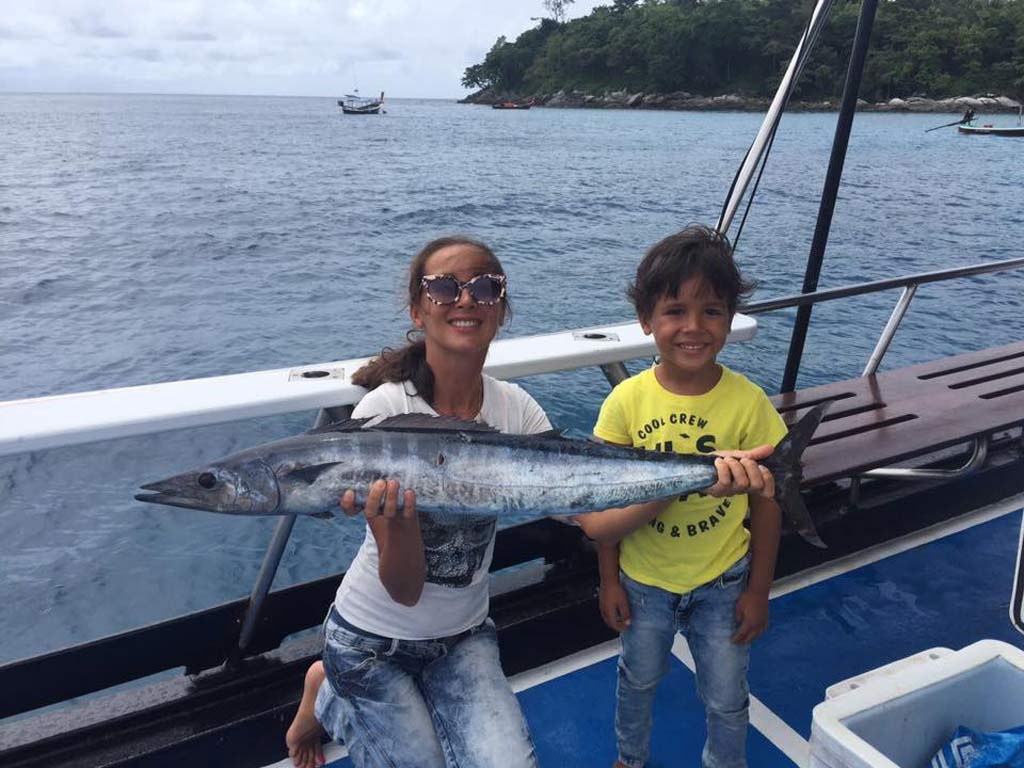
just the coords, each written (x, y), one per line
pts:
(463, 468)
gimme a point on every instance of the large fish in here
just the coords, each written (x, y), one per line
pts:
(463, 468)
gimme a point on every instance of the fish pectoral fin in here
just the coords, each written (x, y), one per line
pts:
(323, 516)
(311, 473)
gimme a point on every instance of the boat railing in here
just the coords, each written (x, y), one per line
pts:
(61, 420)
(48, 422)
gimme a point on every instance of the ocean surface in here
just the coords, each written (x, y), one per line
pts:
(156, 238)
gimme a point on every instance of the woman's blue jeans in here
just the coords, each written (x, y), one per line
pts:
(422, 703)
(706, 618)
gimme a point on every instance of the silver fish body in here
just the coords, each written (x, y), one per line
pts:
(465, 471)
(463, 468)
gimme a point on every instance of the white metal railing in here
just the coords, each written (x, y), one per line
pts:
(49, 422)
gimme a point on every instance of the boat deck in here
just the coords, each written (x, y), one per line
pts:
(829, 624)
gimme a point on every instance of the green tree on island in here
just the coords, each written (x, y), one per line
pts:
(937, 48)
(557, 9)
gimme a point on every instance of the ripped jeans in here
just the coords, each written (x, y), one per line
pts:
(441, 703)
(706, 618)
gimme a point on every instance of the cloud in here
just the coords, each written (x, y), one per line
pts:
(297, 47)
(192, 36)
(92, 24)
(10, 32)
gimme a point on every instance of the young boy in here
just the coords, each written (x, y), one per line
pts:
(689, 564)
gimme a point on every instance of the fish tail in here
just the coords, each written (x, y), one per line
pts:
(784, 465)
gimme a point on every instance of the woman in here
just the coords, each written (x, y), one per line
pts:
(410, 673)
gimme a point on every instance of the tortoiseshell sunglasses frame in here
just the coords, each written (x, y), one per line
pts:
(427, 279)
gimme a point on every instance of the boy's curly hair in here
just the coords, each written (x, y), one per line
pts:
(697, 251)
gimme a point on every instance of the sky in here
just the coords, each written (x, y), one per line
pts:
(407, 48)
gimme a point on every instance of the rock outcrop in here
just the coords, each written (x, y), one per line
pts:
(682, 100)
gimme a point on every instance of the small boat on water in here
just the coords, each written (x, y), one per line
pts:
(987, 129)
(354, 104)
(512, 105)
(992, 130)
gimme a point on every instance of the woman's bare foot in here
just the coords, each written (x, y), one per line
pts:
(305, 732)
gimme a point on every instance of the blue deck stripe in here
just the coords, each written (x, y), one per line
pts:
(950, 592)
(572, 720)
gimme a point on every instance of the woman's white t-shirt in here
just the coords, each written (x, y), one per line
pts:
(458, 555)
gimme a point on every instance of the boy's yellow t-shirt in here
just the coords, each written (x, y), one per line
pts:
(697, 538)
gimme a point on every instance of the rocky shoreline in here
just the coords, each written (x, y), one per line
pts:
(681, 100)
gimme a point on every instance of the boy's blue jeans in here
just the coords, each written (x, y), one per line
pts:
(706, 618)
(421, 703)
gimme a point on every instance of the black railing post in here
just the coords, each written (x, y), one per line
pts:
(851, 90)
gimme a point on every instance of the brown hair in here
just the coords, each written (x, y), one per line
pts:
(696, 251)
(409, 363)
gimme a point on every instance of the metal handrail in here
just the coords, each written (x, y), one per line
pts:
(882, 345)
(859, 289)
(909, 283)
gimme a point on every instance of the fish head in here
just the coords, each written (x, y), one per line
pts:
(241, 487)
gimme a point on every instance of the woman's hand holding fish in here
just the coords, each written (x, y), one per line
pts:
(402, 564)
(739, 472)
(381, 501)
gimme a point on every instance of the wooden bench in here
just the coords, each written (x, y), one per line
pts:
(879, 420)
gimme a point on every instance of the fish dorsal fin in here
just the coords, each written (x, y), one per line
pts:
(345, 425)
(424, 422)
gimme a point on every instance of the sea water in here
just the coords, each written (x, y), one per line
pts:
(157, 238)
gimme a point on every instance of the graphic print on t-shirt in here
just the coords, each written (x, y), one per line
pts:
(455, 551)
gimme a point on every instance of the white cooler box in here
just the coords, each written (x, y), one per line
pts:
(900, 715)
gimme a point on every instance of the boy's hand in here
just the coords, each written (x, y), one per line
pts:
(614, 605)
(739, 472)
(752, 616)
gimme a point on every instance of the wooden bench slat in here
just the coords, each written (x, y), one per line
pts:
(991, 390)
(971, 379)
(867, 421)
(893, 416)
(892, 444)
(967, 360)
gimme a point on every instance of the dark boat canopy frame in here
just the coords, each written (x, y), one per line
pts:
(847, 110)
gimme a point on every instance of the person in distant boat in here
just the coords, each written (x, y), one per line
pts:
(689, 564)
(969, 115)
(410, 676)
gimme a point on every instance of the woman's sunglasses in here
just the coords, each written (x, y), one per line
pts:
(446, 289)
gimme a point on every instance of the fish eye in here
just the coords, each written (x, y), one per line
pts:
(206, 480)
(440, 459)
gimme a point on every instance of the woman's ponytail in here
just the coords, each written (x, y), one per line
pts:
(409, 363)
